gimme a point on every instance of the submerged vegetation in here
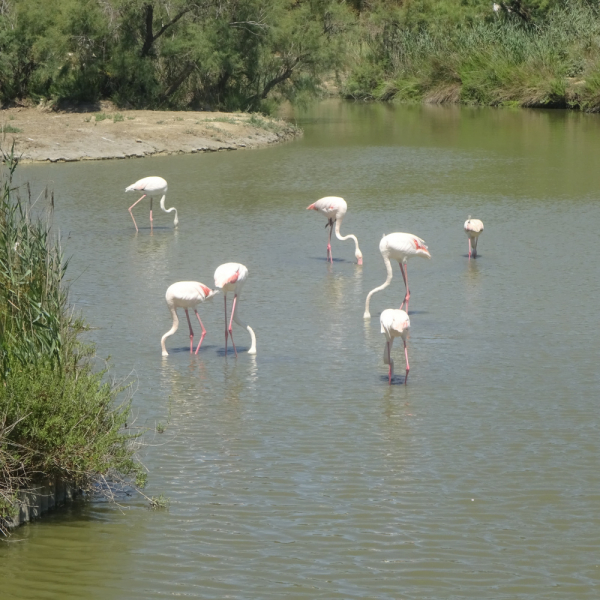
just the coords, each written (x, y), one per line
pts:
(57, 416)
(251, 55)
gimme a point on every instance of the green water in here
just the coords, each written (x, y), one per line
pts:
(299, 473)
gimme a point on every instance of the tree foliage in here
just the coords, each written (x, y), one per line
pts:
(232, 54)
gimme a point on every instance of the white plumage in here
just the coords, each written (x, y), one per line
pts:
(400, 247)
(230, 277)
(151, 186)
(185, 294)
(334, 208)
(394, 323)
(473, 229)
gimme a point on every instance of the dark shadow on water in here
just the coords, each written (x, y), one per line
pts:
(203, 348)
(417, 312)
(396, 379)
(340, 260)
(479, 255)
(230, 352)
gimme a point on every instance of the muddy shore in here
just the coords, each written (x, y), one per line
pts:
(46, 136)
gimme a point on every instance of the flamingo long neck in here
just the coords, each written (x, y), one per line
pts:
(237, 319)
(168, 210)
(338, 235)
(171, 331)
(388, 267)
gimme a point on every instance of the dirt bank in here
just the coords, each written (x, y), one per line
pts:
(109, 133)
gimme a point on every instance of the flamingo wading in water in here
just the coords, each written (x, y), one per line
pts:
(230, 277)
(394, 323)
(334, 209)
(400, 247)
(151, 186)
(186, 294)
(473, 229)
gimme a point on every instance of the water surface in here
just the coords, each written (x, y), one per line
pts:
(299, 473)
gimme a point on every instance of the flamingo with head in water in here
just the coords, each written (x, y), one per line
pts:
(334, 209)
(151, 186)
(400, 247)
(230, 277)
(394, 323)
(186, 294)
(473, 229)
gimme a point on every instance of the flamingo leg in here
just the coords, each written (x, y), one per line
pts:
(230, 323)
(203, 331)
(136, 227)
(404, 271)
(329, 255)
(187, 314)
(407, 367)
(475, 248)
(225, 299)
(469, 247)
(151, 213)
(390, 362)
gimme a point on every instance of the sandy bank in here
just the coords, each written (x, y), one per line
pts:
(108, 133)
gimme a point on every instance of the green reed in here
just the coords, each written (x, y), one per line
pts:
(58, 415)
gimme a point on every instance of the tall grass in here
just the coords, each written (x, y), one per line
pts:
(494, 62)
(58, 418)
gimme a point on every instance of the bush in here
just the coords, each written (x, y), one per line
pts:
(57, 416)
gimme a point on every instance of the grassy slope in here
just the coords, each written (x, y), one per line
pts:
(474, 57)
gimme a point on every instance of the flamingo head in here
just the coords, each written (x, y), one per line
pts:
(208, 293)
(358, 255)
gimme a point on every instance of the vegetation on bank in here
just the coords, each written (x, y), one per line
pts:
(217, 54)
(57, 416)
(249, 55)
(528, 55)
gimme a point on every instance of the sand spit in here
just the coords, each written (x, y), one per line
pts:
(42, 136)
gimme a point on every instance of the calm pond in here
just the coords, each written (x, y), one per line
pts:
(299, 472)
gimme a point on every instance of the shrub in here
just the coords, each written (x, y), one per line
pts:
(57, 415)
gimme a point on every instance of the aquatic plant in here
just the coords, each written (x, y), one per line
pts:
(59, 418)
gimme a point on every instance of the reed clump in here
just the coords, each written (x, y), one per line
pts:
(499, 60)
(58, 417)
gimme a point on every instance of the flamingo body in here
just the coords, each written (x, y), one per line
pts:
(394, 323)
(151, 186)
(230, 277)
(334, 209)
(473, 229)
(400, 247)
(186, 295)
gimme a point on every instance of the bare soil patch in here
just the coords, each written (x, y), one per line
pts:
(41, 136)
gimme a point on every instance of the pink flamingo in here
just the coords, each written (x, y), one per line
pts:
(400, 247)
(230, 277)
(473, 229)
(394, 323)
(334, 209)
(151, 186)
(186, 294)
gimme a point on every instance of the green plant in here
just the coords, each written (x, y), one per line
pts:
(159, 122)
(9, 129)
(159, 503)
(58, 417)
(118, 117)
(101, 117)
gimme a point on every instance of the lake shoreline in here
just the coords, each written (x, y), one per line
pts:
(45, 136)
